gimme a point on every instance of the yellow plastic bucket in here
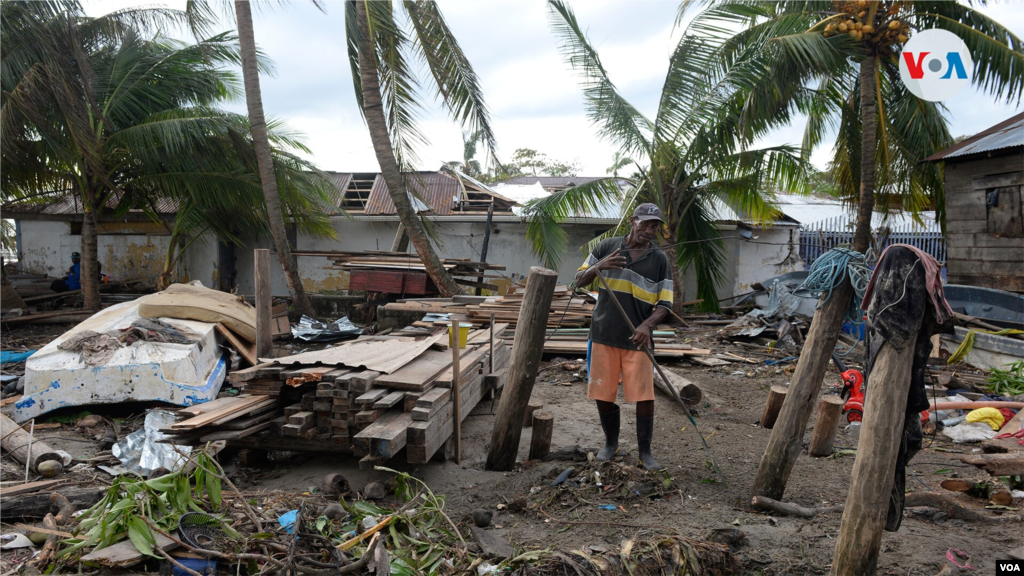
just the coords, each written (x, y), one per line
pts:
(463, 334)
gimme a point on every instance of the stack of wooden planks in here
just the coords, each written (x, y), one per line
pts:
(403, 273)
(573, 342)
(406, 403)
(567, 309)
(225, 418)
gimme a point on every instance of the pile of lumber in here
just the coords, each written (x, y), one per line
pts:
(333, 399)
(225, 418)
(573, 342)
(400, 264)
(567, 309)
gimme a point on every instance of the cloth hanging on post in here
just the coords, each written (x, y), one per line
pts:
(901, 288)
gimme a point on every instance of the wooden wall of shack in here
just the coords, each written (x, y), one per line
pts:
(984, 219)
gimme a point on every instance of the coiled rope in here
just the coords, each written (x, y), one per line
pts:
(829, 272)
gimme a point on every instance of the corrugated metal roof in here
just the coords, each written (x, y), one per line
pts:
(553, 182)
(69, 204)
(437, 190)
(341, 181)
(1006, 134)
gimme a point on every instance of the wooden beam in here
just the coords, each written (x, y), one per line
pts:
(860, 533)
(264, 297)
(456, 392)
(527, 351)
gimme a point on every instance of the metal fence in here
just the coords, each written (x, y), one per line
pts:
(820, 237)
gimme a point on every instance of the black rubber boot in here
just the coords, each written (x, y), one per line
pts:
(644, 434)
(610, 424)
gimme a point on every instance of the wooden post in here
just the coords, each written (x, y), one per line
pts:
(825, 427)
(264, 341)
(31, 452)
(491, 357)
(527, 350)
(487, 240)
(531, 409)
(540, 441)
(776, 397)
(787, 436)
(456, 393)
(867, 502)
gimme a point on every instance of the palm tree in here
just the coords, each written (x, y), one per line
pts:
(693, 163)
(469, 166)
(118, 115)
(838, 63)
(618, 163)
(385, 89)
(264, 159)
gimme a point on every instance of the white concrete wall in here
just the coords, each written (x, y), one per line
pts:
(46, 248)
(508, 246)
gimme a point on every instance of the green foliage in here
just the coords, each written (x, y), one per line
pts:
(695, 159)
(132, 503)
(1008, 382)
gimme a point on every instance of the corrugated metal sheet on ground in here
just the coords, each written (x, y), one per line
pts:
(1006, 134)
(384, 356)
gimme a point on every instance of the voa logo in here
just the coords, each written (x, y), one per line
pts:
(935, 65)
(1008, 567)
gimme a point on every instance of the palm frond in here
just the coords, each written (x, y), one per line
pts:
(617, 119)
(456, 81)
(545, 216)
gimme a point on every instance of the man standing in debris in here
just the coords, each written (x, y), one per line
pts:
(640, 277)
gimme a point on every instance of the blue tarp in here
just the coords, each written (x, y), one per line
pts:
(8, 357)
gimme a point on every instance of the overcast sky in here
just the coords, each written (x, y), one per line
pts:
(533, 95)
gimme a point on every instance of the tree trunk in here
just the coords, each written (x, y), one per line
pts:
(264, 160)
(89, 267)
(869, 149)
(786, 439)
(677, 281)
(373, 109)
(10, 299)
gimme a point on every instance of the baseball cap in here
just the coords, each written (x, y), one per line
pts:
(648, 211)
(76, 256)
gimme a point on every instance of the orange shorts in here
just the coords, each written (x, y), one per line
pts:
(608, 363)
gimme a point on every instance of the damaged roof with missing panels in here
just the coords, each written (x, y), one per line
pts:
(1006, 134)
(444, 194)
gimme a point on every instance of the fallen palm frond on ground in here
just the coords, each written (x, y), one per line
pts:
(675, 555)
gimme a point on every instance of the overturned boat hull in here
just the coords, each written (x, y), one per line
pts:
(182, 374)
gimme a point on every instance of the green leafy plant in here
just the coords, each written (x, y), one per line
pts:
(1008, 382)
(132, 506)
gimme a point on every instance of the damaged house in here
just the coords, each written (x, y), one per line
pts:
(133, 246)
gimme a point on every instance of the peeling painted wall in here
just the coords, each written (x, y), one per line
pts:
(46, 248)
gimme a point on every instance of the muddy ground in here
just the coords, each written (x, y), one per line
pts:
(696, 503)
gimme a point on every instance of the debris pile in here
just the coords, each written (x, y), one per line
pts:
(373, 396)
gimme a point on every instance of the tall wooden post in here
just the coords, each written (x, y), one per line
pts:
(456, 391)
(885, 407)
(264, 341)
(487, 240)
(527, 350)
(788, 432)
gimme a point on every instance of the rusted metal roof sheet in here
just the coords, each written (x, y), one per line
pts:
(69, 204)
(437, 190)
(1006, 134)
(341, 181)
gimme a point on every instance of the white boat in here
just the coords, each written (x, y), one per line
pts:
(182, 374)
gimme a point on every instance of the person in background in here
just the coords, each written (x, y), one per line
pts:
(73, 279)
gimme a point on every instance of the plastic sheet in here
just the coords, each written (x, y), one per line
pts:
(312, 330)
(141, 453)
